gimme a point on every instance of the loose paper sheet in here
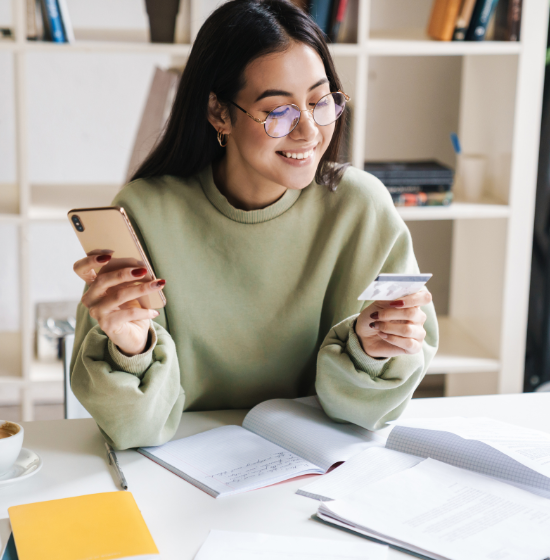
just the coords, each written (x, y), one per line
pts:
(357, 473)
(451, 513)
(251, 546)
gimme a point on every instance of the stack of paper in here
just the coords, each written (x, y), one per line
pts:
(447, 513)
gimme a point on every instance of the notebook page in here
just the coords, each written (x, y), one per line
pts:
(251, 546)
(500, 462)
(228, 460)
(452, 513)
(367, 467)
(308, 432)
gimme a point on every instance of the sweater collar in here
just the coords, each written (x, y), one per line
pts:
(245, 216)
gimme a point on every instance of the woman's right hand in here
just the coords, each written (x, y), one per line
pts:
(111, 300)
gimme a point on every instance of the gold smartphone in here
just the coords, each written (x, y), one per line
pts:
(109, 231)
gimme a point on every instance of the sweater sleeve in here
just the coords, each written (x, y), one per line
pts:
(352, 386)
(134, 404)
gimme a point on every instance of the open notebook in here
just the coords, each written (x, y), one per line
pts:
(517, 456)
(279, 439)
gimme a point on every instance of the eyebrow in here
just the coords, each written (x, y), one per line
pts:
(276, 92)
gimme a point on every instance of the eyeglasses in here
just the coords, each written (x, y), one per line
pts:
(284, 119)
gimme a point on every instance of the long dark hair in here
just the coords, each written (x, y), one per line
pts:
(234, 35)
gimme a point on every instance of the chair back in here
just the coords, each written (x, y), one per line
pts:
(73, 408)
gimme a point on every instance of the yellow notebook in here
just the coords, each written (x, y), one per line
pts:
(97, 526)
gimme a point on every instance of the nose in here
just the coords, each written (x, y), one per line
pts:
(306, 128)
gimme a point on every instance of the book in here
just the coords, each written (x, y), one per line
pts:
(483, 10)
(402, 173)
(518, 456)
(107, 525)
(338, 14)
(507, 20)
(52, 21)
(439, 511)
(423, 199)
(279, 439)
(320, 11)
(443, 19)
(9, 552)
(463, 20)
(66, 21)
(155, 114)
(32, 28)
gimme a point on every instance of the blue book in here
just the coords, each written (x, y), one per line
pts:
(10, 553)
(55, 21)
(481, 16)
(320, 11)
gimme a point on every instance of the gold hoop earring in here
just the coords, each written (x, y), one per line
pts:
(221, 139)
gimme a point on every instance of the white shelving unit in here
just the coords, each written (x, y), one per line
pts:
(490, 92)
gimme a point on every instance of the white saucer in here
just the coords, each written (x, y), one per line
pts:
(27, 464)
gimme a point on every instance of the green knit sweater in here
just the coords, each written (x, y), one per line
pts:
(261, 305)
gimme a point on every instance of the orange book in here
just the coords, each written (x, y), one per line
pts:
(104, 526)
(443, 19)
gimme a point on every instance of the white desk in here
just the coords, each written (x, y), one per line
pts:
(179, 516)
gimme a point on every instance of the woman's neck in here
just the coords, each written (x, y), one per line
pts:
(242, 190)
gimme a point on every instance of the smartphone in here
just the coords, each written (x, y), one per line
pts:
(108, 231)
(387, 287)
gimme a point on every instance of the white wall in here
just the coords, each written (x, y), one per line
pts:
(84, 110)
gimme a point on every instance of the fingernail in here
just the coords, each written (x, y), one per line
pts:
(374, 326)
(156, 314)
(137, 272)
(159, 284)
(398, 303)
(103, 258)
(374, 315)
(382, 335)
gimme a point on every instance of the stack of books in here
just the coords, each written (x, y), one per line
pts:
(415, 183)
(475, 20)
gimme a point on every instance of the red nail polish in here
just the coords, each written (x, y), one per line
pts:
(137, 272)
(103, 258)
(372, 325)
(160, 283)
(374, 315)
(398, 303)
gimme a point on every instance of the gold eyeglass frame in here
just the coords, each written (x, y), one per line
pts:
(259, 121)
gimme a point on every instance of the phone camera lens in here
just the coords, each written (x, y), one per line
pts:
(77, 223)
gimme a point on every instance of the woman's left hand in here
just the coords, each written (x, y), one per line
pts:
(392, 328)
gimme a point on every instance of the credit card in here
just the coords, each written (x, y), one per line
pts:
(387, 287)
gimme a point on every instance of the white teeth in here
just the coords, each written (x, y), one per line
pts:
(303, 155)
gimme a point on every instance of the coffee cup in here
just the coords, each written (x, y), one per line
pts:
(11, 441)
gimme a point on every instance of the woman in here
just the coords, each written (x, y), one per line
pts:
(263, 243)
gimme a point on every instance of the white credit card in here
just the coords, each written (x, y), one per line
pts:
(387, 287)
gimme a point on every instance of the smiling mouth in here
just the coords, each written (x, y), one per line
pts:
(297, 155)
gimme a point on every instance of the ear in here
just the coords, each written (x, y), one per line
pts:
(218, 114)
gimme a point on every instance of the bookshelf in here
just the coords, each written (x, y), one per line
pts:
(409, 93)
